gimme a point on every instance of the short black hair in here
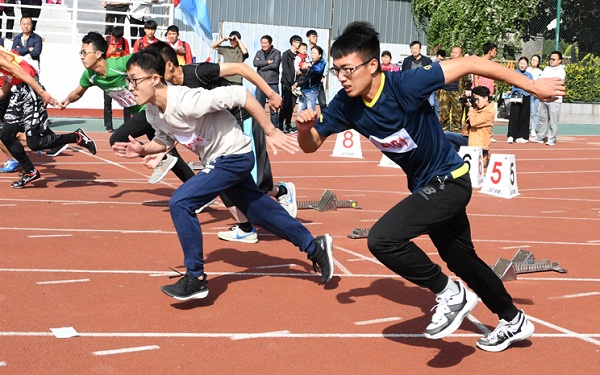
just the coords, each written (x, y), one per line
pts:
(488, 47)
(295, 38)
(358, 37)
(173, 28)
(150, 24)
(117, 32)
(481, 91)
(165, 50)
(236, 34)
(441, 53)
(556, 53)
(386, 53)
(97, 40)
(415, 42)
(311, 32)
(149, 62)
(319, 49)
(523, 58)
(268, 38)
(302, 44)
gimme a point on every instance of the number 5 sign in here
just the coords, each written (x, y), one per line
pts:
(501, 177)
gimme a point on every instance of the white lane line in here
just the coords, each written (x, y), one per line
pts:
(359, 256)
(280, 334)
(341, 267)
(8, 205)
(584, 337)
(514, 247)
(245, 274)
(62, 281)
(50, 235)
(482, 327)
(127, 350)
(244, 336)
(567, 296)
(276, 266)
(376, 321)
(2, 364)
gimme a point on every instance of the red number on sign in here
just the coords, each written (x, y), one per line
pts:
(348, 141)
(496, 171)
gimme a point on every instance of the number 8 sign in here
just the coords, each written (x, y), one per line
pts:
(501, 177)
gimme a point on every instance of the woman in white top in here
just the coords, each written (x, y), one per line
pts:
(536, 72)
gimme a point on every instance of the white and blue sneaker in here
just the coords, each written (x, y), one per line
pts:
(450, 311)
(288, 201)
(235, 234)
(10, 165)
(506, 333)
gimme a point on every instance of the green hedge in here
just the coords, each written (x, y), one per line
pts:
(583, 81)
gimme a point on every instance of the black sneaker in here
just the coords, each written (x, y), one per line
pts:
(322, 258)
(506, 333)
(86, 141)
(25, 179)
(188, 287)
(55, 151)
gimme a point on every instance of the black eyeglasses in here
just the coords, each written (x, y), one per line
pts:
(553, 59)
(132, 83)
(346, 72)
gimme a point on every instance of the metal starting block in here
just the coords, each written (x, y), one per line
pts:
(359, 233)
(163, 203)
(196, 165)
(523, 262)
(328, 202)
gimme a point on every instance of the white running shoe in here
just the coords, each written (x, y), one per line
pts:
(450, 311)
(288, 201)
(506, 333)
(521, 140)
(162, 169)
(235, 234)
(509, 140)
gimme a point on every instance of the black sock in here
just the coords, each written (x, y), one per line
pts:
(281, 190)
(246, 227)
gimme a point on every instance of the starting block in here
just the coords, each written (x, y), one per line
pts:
(501, 177)
(328, 202)
(473, 157)
(523, 262)
(359, 233)
(196, 165)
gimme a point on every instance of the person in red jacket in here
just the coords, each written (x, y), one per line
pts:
(150, 27)
(183, 49)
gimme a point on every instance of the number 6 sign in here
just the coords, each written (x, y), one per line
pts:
(501, 177)
(473, 157)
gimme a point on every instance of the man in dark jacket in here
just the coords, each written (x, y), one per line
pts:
(415, 60)
(267, 62)
(288, 75)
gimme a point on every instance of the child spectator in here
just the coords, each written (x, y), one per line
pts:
(150, 27)
(183, 50)
(301, 64)
(386, 62)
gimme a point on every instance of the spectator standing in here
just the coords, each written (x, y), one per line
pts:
(267, 62)
(386, 62)
(28, 43)
(139, 13)
(440, 56)
(113, 6)
(449, 99)
(520, 109)
(118, 46)
(150, 27)
(313, 39)
(550, 111)
(236, 52)
(33, 12)
(490, 51)
(288, 74)
(536, 72)
(182, 49)
(415, 60)
(10, 17)
(310, 86)
(301, 64)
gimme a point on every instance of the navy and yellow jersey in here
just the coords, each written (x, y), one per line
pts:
(399, 122)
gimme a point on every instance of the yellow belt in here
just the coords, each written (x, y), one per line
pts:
(459, 172)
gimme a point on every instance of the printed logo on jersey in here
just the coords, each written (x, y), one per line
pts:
(427, 67)
(399, 142)
(122, 96)
(191, 142)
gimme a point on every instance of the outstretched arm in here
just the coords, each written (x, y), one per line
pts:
(548, 89)
(17, 71)
(229, 69)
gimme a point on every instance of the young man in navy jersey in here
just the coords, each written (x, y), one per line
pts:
(392, 111)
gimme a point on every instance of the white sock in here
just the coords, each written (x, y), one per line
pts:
(451, 285)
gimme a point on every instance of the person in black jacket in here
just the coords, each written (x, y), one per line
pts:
(267, 62)
(415, 60)
(288, 75)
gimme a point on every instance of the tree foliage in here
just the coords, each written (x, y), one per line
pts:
(471, 23)
(579, 23)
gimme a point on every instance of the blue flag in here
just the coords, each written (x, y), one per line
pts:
(194, 13)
